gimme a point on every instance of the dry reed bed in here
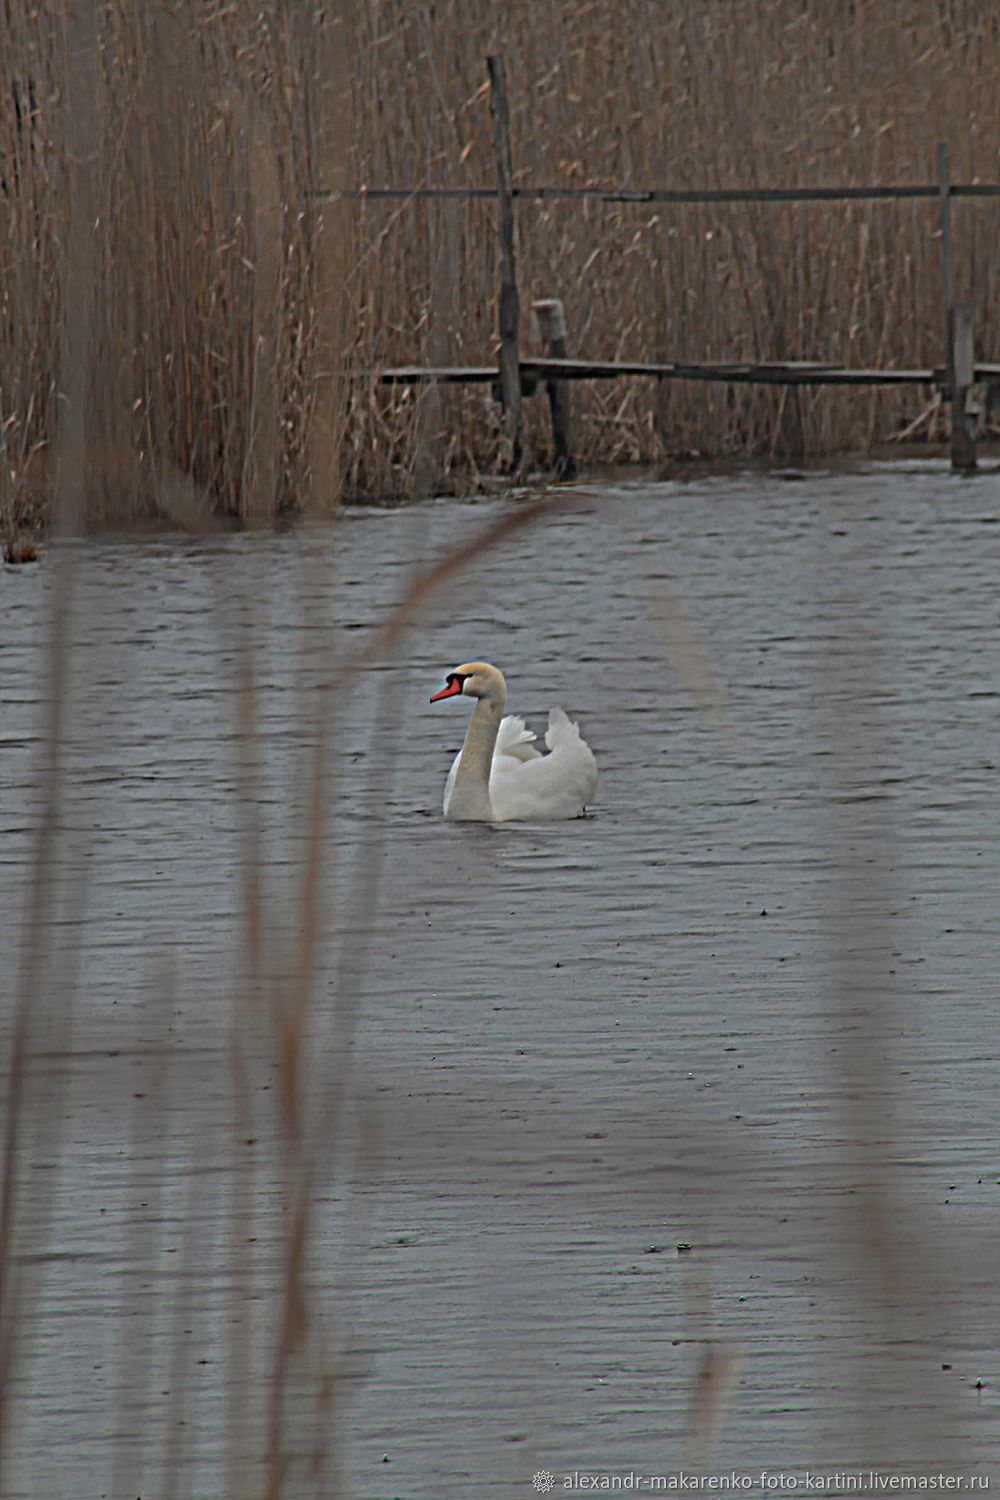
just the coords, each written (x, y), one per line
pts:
(236, 311)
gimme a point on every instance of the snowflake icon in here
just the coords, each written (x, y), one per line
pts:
(543, 1481)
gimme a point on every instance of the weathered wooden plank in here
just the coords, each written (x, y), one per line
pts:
(763, 375)
(962, 360)
(799, 373)
(887, 192)
(552, 324)
(448, 374)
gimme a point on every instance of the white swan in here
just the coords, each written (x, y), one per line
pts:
(498, 776)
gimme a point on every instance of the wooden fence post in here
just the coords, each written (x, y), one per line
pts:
(957, 331)
(510, 304)
(963, 441)
(944, 209)
(552, 325)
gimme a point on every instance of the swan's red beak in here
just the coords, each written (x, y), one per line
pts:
(451, 687)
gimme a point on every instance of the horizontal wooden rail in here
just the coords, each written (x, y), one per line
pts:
(678, 195)
(791, 372)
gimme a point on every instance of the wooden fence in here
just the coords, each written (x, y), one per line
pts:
(959, 377)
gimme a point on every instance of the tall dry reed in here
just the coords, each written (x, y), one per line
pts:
(239, 312)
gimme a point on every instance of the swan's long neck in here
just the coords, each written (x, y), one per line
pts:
(470, 796)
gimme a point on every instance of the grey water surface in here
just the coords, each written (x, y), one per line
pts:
(665, 1137)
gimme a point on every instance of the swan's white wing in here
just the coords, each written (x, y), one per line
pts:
(515, 740)
(557, 785)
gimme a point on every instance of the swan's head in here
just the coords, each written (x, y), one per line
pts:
(477, 679)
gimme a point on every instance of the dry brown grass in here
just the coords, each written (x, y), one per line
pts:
(235, 311)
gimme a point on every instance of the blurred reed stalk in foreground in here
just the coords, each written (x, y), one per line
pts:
(40, 1022)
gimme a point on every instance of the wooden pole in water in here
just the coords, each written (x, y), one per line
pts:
(963, 450)
(510, 304)
(552, 324)
(963, 441)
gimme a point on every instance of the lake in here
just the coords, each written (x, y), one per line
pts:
(663, 1138)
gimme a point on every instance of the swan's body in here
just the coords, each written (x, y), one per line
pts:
(498, 775)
